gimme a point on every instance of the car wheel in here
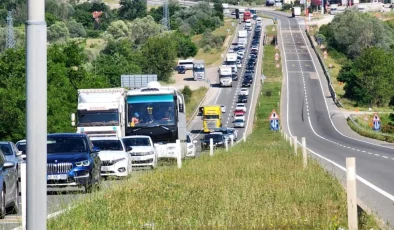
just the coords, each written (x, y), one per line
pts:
(15, 205)
(2, 208)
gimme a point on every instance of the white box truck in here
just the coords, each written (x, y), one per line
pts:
(231, 60)
(101, 112)
(225, 76)
(242, 34)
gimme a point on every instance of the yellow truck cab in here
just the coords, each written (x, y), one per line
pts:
(211, 117)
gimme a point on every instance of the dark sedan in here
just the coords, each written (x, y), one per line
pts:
(218, 140)
(242, 99)
(72, 161)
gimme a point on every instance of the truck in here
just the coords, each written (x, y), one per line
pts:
(231, 60)
(225, 76)
(247, 15)
(296, 11)
(211, 118)
(159, 112)
(101, 112)
(199, 70)
(248, 24)
(242, 34)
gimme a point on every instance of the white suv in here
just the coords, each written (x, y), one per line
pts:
(142, 151)
(240, 106)
(244, 91)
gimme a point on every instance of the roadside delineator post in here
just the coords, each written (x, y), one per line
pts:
(226, 144)
(179, 153)
(211, 147)
(232, 141)
(244, 136)
(291, 141)
(23, 194)
(285, 136)
(304, 155)
(351, 193)
(295, 145)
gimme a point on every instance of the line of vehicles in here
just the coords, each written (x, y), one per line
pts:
(212, 114)
(117, 130)
(197, 66)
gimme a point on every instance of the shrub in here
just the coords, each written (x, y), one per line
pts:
(187, 93)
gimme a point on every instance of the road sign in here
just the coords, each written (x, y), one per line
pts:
(375, 117)
(277, 65)
(274, 120)
(276, 47)
(274, 115)
(276, 58)
(276, 55)
(376, 125)
(273, 28)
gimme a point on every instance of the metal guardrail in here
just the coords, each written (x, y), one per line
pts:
(326, 73)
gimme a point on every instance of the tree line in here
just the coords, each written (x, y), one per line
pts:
(365, 46)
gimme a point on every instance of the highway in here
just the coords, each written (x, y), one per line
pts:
(308, 111)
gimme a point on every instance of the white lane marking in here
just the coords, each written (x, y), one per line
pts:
(369, 184)
(384, 157)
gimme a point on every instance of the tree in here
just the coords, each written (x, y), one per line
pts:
(58, 32)
(143, 28)
(158, 58)
(184, 45)
(132, 9)
(118, 29)
(76, 29)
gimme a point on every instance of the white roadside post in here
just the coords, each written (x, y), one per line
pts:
(351, 193)
(285, 134)
(291, 141)
(23, 194)
(179, 153)
(226, 144)
(304, 155)
(211, 147)
(295, 145)
(232, 141)
(244, 136)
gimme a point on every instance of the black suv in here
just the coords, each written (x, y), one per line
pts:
(219, 140)
(242, 99)
(181, 69)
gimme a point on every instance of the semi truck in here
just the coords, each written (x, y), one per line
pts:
(296, 11)
(231, 60)
(242, 34)
(225, 76)
(199, 70)
(100, 112)
(247, 15)
(211, 118)
(159, 112)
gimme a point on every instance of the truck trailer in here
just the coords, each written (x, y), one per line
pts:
(225, 76)
(199, 70)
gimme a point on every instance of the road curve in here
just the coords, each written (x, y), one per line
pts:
(308, 111)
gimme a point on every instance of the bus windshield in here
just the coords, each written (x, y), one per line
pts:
(151, 110)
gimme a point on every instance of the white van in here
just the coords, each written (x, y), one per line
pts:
(259, 21)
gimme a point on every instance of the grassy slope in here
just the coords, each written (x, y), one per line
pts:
(197, 96)
(259, 184)
(213, 57)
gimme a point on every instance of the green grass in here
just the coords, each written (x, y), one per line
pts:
(259, 184)
(269, 31)
(270, 71)
(197, 96)
(214, 56)
(363, 127)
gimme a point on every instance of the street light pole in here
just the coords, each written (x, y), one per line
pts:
(36, 115)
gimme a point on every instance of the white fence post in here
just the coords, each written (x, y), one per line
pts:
(232, 141)
(244, 136)
(211, 147)
(304, 155)
(23, 194)
(226, 144)
(291, 141)
(295, 145)
(351, 193)
(179, 155)
(285, 134)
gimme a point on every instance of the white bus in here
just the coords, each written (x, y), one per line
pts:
(188, 64)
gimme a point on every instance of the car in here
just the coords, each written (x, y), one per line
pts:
(115, 161)
(253, 57)
(9, 186)
(245, 83)
(181, 69)
(240, 56)
(238, 123)
(241, 52)
(254, 47)
(244, 91)
(249, 70)
(223, 107)
(250, 65)
(72, 161)
(254, 51)
(233, 132)
(239, 63)
(218, 139)
(227, 132)
(12, 154)
(190, 145)
(239, 112)
(142, 151)
(240, 106)
(248, 79)
(239, 116)
(242, 99)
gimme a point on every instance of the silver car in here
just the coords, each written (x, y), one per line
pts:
(12, 154)
(238, 123)
(223, 108)
(9, 186)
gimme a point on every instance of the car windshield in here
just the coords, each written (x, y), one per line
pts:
(64, 144)
(239, 120)
(137, 141)
(108, 145)
(6, 148)
(215, 137)
(21, 146)
(151, 110)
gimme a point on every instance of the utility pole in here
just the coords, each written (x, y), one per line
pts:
(36, 116)
(10, 42)
(166, 16)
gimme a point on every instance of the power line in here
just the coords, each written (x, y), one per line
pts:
(10, 42)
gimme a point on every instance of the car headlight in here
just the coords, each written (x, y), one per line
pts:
(83, 163)
(119, 160)
(220, 143)
(148, 153)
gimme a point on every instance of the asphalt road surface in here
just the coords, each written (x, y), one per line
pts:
(308, 111)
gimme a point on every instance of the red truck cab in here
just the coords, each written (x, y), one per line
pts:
(247, 15)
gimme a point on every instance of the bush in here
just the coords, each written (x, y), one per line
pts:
(187, 93)
(93, 33)
(207, 48)
(209, 39)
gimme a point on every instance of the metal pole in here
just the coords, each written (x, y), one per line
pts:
(351, 193)
(23, 194)
(36, 115)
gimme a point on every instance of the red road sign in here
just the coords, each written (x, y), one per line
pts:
(277, 65)
(274, 115)
(375, 117)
